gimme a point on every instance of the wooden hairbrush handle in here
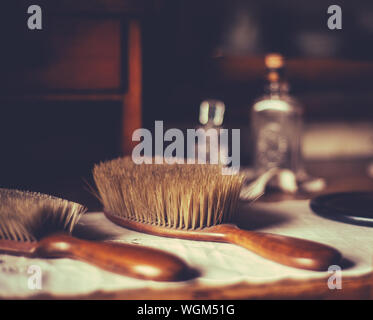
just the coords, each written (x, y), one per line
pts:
(130, 260)
(289, 251)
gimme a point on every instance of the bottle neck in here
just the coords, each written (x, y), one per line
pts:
(211, 113)
(276, 83)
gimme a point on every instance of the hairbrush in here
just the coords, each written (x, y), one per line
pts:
(196, 202)
(38, 225)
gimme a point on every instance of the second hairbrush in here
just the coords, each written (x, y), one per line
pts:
(38, 225)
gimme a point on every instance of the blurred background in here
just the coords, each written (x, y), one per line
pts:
(72, 93)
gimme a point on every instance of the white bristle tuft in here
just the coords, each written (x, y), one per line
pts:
(188, 196)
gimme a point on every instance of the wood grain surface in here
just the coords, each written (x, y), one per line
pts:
(294, 252)
(125, 259)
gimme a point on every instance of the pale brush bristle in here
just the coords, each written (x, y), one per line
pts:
(30, 216)
(188, 196)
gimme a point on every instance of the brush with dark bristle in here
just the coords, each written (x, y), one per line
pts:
(193, 201)
(38, 225)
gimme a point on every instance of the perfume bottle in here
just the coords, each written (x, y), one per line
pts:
(276, 122)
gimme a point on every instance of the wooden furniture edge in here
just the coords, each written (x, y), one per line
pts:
(353, 287)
